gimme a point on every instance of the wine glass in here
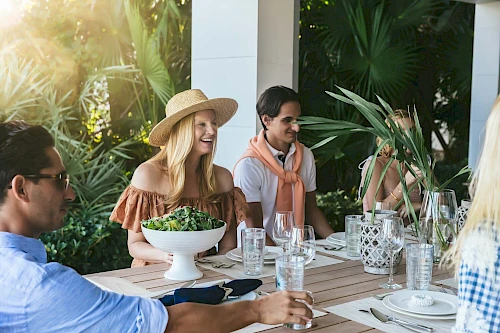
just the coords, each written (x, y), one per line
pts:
(302, 243)
(392, 239)
(282, 228)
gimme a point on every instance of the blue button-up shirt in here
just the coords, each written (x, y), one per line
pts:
(36, 296)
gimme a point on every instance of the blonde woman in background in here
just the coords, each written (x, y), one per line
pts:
(182, 174)
(476, 253)
(391, 189)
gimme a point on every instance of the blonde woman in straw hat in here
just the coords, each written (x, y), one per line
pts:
(476, 253)
(391, 190)
(182, 174)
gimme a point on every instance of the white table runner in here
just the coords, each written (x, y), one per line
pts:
(351, 311)
(236, 271)
(449, 282)
(257, 327)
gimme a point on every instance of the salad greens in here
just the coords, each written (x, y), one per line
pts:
(184, 218)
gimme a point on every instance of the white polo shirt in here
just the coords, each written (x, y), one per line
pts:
(260, 184)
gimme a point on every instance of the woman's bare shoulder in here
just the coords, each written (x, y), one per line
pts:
(149, 176)
(224, 179)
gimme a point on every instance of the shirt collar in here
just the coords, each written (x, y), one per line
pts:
(31, 246)
(277, 152)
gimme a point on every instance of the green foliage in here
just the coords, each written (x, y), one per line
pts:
(336, 205)
(89, 243)
(409, 52)
(408, 144)
(97, 75)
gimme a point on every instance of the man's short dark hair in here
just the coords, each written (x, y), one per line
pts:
(22, 151)
(272, 99)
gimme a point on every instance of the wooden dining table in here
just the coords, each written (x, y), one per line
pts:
(331, 285)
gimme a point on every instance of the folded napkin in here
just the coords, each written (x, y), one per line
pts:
(214, 294)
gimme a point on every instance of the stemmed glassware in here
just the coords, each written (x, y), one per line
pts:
(282, 228)
(302, 243)
(392, 239)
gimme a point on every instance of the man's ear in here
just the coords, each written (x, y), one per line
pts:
(266, 119)
(19, 188)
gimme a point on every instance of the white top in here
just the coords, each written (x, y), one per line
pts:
(259, 184)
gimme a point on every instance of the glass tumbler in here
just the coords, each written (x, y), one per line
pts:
(290, 276)
(419, 260)
(353, 235)
(253, 244)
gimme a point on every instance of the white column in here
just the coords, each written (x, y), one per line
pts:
(485, 73)
(240, 48)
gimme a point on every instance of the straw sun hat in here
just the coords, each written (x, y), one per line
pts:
(184, 104)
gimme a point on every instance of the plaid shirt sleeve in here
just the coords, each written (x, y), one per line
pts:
(479, 297)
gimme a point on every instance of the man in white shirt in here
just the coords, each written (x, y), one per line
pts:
(259, 178)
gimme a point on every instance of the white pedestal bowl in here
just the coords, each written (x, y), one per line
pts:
(184, 245)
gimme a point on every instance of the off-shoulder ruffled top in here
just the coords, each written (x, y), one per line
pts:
(136, 205)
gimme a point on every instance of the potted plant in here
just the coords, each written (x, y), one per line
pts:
(402, 140)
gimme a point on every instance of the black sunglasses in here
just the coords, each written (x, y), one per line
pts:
(62, 179)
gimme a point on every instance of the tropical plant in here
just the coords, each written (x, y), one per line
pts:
(400, 139)
(407, 51)
(96, 74)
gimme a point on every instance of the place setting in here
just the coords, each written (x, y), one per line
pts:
(346, 244)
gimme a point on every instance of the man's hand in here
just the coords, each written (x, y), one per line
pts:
(283, 307)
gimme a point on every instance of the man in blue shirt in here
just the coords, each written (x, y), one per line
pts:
(36, 296)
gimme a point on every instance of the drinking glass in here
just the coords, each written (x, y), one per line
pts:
(253, 243)
(353, 235)
(282, 228)
(419, 260)
(302, 243)
(290, 276)
(392, 239)
(380, 205)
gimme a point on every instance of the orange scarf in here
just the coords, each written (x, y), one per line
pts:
(258, 149)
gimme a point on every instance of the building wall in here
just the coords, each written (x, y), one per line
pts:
(485, 73)
(240, 48)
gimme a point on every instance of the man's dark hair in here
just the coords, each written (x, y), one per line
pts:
(22, 151)
(272, 99)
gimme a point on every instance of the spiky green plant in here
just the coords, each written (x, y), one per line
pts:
(400, 139)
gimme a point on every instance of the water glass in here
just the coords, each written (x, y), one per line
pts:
(353, 235)
(253, 244)
(303, 243)
(290, 276)
(419, 260)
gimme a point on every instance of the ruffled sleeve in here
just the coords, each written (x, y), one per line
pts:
(234, 207)
(136, 205)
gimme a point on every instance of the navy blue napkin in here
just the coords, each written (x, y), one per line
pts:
(213, 294)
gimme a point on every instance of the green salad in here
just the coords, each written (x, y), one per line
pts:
(183, 218)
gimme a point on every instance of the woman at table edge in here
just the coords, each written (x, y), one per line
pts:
(476, 253)
(182, 174)
(391, 189)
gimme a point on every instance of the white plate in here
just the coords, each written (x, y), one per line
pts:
(337, 238)
(247, 297)
(415, 315)
(444, 304)
(234, 258)
(268, 255)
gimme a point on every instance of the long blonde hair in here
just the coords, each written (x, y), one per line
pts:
(173, 158)
(387, 150)
(484, 213)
